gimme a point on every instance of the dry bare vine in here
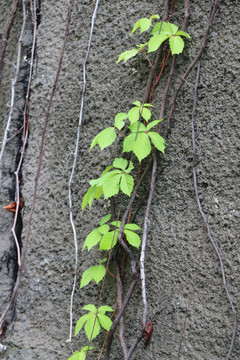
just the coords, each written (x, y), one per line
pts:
(6, 33)
(41, 151)
(74, 166)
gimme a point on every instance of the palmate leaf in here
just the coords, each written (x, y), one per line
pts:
(126, 184)
(105, 219)
(156, 41)
(157, 141)
(132, 238)
(126, 55)
(95, 236)
(137, 111)
(141, 145)
(176, 44)
(105, 321)
(119, 120)
(108, 241)
(81, 355)
(170, 31)
(105, 138)
(93, 319)
(92, 327)
(144, 24)
(96, 273)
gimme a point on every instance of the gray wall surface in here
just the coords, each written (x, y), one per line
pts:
(176, 231)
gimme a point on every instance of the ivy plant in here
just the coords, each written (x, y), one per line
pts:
(161, 32)
(81, 355)
(118, 176)
(139, 139)
(94, 320)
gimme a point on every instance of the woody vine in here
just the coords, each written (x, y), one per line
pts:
(140, 139)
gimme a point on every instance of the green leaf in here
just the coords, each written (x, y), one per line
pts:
(116, 223)
(103, 260)
(120, 163)
(94, 142)
(86, 198)
(104, 308)
(132, 238)
(155, 17)
(92, 239)
(137, 103)
(111, 186)
(107, 240)
(144, 25)
(132, 227)
(128, 142)
(90, 307)
(105, 219)
(103, 229)
(169, 29)
(119, 120)
(104, 138)
(92, 327)
(126, 55)
(157, 140)
(133, 115)
(176, 44)
(105, 321)
(142, 146)
(126, 184)
(183, 33)
(156, 41)
(81, 322)
(153, 123)
(130, 167)
(96, 273)
(137, 127)
(147, 105)
(146, 113)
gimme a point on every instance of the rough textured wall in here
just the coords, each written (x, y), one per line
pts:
(176, 231)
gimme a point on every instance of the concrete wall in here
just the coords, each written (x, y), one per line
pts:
(176, 230)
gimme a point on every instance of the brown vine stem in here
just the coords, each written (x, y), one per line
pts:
(207, 227)
(14, 81)
(119, 299)
(154, 168)
(73, 169)
(144, 242)
(104, 278)
(41, 154)
(5, 35)
(198, 56)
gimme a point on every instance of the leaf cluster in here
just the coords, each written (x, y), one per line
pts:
(161, 32)
(94, 320)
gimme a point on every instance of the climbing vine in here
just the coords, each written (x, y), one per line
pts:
(140, 137)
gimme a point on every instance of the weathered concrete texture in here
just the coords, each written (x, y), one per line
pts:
(176, 230)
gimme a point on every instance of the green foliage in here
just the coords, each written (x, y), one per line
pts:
(117, 176)
(96, 273)
(95, 236)
(164, 31)
(110, 182)
(161, 32)
(139, 110)
(108, 135)
(94, 320)
(139, 140)
(81, 355)
(110, 239)
(144, 24)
